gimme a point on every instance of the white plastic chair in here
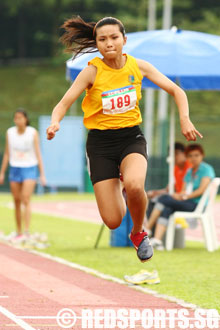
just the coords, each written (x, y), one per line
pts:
(204, 213)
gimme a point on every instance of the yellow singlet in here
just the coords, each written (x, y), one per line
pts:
(112, 102)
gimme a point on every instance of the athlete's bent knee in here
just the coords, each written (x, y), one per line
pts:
(134, 189)
(112, 222)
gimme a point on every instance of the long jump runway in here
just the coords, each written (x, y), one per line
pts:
(34, 290)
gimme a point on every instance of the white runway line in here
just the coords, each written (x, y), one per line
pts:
(1, 297)
(14, 318)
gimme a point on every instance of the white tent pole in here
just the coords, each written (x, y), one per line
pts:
(163, 96)
(167, 21)
(167, 14)
(162, 116)
(148, 119)
(171, 148)
(151, 15)
(149, 92)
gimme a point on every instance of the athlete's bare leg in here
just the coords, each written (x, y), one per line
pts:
(134, 168)
(110, 202)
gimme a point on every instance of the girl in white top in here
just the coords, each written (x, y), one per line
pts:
(22, 152)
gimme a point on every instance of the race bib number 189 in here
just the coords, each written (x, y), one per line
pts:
(119, 100)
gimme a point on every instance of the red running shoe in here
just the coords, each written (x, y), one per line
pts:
(143, 246)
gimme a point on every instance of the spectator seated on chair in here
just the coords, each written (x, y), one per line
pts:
(196, 181)
(182, 165)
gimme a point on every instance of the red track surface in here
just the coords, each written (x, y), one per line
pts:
(84, 211)
(36, 286)
(88, 211)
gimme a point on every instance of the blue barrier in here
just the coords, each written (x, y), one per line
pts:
(119, 236)
(64, 156)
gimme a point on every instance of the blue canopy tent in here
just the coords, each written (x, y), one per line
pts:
(191, 59)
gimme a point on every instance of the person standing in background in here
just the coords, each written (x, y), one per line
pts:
(22, 152)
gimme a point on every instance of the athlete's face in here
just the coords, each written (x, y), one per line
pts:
(20, 120)
(110, 41)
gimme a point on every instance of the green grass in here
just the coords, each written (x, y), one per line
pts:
(191, 274)
(40, 87)
(6, 197)
(37, 88)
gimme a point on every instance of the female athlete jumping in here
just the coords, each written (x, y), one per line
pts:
(115, 142)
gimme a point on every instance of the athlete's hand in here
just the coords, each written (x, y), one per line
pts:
(2, 178)
(52, 129)
(189, 130)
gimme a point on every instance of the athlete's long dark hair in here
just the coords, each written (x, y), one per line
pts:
(80, 37)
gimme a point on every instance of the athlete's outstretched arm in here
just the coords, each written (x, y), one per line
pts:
(84, 80)
(150, 72)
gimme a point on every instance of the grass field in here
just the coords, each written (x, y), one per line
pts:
(191, 274)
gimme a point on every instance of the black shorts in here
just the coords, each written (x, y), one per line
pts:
(106, 149)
